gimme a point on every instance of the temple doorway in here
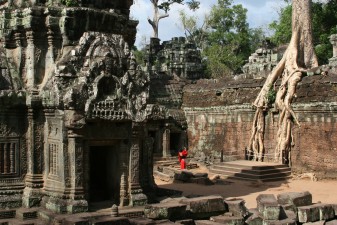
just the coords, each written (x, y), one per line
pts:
(104, 182)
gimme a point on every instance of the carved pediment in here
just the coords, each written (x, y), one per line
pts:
(100, 77)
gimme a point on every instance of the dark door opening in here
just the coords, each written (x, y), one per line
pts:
(175, 143)
(104, 184)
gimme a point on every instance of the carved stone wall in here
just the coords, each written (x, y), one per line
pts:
(219, 117)
(69, 87)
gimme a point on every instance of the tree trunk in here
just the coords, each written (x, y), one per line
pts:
(297, 59)
(156, 18)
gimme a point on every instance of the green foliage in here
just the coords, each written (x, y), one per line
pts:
(324, 21)
(271, 96)
(139, 55)
(70, 3)
(228, 42)
(192, 4)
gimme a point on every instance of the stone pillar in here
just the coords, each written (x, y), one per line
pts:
(34, 179)
(30, 60)
(166, 141)
(333, 41)
(137, 196)
(124, 195)
(76, 202)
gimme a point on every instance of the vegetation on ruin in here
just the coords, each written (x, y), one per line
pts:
(224, 37)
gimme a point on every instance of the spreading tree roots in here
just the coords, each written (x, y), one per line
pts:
(298, 58)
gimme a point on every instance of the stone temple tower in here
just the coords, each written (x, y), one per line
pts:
(73, 104)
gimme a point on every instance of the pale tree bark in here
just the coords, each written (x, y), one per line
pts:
(156, 18)
(297, 60)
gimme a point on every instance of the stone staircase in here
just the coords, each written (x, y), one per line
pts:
(251, 171)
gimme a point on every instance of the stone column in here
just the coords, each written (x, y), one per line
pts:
(124, 195)
(333, 41)
(137, 196)
(30, 60)
(76, 202)
(166, 141)
(34, 179)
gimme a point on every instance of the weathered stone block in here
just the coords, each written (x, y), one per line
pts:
(228, 220)
(295, 198)
(168, 210)
(279, 222)
(332, 222)
(335, 208)
(76, 221)
(237, 207)
(162, 176)
(206, 222)
(254, 219)
(326, 211)
(141, 221)
(109, 220)
(204, 207)
(271, 212)
(321, 222)
(186, 222)
(264, 199)
(183, 176)
(25, 213)
(308, 214)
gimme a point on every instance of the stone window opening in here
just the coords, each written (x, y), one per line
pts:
(8, 158)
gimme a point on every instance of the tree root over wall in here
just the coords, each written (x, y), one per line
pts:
(298, 59)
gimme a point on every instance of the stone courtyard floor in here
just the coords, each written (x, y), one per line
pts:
(324, 191)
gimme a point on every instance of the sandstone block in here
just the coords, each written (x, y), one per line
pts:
(335, 208)
(308, 214)
(162, 176)
(271, 212)
(201, 180)
(109, 220)
(168, 210)
(228, 220)
(237, 207)
(183, 176)
(326, 211)
(204, 207)
(295, 198)
(279, 222)
(321, 222)
(264, 199)
(206, 222)
(76, 221)
(141, 221)
(332, 222)
(186, 222)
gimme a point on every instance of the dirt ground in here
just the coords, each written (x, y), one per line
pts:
(322, 191)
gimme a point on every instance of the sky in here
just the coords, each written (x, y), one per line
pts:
(260, 14)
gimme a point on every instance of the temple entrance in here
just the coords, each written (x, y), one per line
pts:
(104, 184)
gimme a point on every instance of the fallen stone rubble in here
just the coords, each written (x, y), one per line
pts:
(285, 209)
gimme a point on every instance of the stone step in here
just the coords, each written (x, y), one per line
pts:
(251, 171)
(267, 170)
(251, 176)
(249, 165)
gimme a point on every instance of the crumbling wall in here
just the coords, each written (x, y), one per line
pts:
(219, 116)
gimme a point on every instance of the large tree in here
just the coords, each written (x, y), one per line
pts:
(324, 17)
(158, 5)
(297, 60)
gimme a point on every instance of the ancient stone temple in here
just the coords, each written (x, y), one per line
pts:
(73, 104)
(171, 65)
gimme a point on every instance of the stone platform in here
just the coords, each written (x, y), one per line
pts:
(251, 170)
